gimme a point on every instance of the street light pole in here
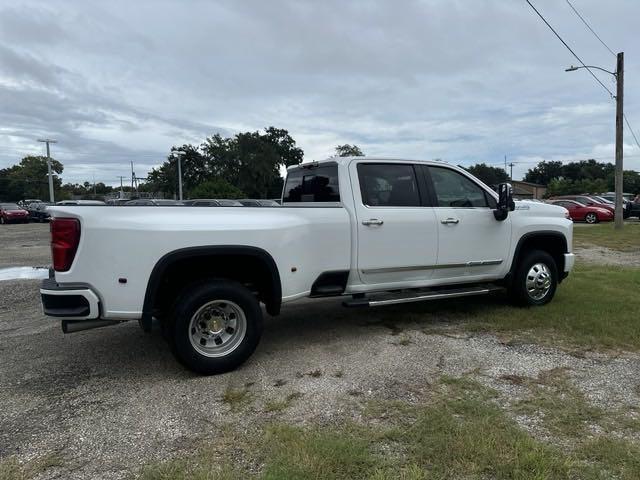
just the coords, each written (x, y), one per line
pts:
(619, 168)
(180, 154)
(619, 184)
(48, 141)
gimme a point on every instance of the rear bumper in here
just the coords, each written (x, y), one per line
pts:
(73, 301)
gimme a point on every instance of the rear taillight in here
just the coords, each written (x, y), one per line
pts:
(65, 236)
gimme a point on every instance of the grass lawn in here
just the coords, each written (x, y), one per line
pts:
(594, 307)
(604, 235)
(458, 432)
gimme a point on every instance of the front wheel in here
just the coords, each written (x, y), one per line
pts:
(216, 326)
(591, 218)
(535, 280)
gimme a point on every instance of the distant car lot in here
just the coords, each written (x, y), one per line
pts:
(34, 210)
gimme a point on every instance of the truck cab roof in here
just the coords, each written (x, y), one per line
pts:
(347, 160)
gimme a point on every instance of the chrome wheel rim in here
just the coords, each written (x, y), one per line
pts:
(591, 218)
(538, 281)
(217, 328)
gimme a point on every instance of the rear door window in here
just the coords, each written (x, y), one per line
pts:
(314, 184)
(388, 185)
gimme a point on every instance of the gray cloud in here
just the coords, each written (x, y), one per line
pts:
(464, 81)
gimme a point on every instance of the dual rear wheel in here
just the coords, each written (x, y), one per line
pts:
(216, 326)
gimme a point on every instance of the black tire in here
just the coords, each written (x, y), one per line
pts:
(519, 292)
(591, 218)
(191, 301)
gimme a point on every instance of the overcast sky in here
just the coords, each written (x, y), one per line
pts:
(466, 81)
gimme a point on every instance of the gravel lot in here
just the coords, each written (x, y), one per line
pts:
(109, 400)
(24, 245)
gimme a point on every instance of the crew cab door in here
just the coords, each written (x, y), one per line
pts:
(397, 235)
(472, 242)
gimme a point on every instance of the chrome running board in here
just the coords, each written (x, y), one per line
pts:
(407, 296)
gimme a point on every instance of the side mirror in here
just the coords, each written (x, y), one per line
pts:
(505, 202)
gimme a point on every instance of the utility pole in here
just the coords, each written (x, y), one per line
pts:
(619, 184)
(121, 177)
(48, 141)
(511, 171)
(180, 154)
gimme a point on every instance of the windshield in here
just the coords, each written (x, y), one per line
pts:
(10, 206)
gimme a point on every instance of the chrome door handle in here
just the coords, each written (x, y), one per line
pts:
(450, 220)
(372, 221)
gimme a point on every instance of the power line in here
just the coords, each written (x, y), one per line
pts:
(632, 133)
(612, 53)
(567, 160)
(589, 27)
(569, 48)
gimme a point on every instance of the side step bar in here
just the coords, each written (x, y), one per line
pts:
(71, 326)
(406, 296)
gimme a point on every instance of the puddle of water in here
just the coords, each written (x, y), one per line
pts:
(22, 273)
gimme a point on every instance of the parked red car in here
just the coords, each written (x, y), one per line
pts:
(588, 213)
(587, 200)
(10, 212)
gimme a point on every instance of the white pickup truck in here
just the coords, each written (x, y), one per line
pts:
(375, 231)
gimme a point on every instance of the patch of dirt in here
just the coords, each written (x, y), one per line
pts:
(605, 256)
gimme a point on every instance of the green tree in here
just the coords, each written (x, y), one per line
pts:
(587, 170)
(565, 186)
(630, 182)
(585, 176)
(347, 150)
(195, 170)
(250, 161)
(216, 188)
(488, 174)
(29, 179)
(544, 172)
